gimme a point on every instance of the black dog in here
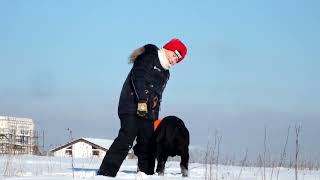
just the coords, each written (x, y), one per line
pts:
(171, 138)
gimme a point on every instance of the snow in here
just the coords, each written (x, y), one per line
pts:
(51, 168)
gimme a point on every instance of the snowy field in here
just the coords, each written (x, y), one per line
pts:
(50, 168)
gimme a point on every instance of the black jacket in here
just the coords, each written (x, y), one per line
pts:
(146, 81)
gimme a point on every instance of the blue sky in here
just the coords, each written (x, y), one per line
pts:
(249, 64)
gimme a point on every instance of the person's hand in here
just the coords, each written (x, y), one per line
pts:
(142, 109)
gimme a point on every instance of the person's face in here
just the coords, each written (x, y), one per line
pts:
(172, 57)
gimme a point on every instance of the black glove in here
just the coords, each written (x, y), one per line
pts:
(142, 109)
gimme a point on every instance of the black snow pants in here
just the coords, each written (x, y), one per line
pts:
(132, 126)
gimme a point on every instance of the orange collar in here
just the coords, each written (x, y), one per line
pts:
(156, 123)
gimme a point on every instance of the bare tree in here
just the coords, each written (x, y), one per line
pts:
(243, 163)
(217, 163)
(211, 157)
(298, 130)
(283, 155)
(273, 165)
(264, 152)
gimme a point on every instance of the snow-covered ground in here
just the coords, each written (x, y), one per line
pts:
(49, 168)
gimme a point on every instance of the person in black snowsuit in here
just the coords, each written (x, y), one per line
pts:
(139, 105)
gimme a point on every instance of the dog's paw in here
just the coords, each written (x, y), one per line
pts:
(160, 173)
(141, 175)
(184, 172)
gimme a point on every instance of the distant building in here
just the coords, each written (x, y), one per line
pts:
(17, 135)
(85, 148)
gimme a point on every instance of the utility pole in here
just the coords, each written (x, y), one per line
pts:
(70, 134)
(72, 163)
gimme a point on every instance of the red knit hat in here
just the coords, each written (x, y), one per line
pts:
(178, 47)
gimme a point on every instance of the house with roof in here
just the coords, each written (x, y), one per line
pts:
(85, 148)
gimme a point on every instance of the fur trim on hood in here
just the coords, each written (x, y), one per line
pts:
(133, 56)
